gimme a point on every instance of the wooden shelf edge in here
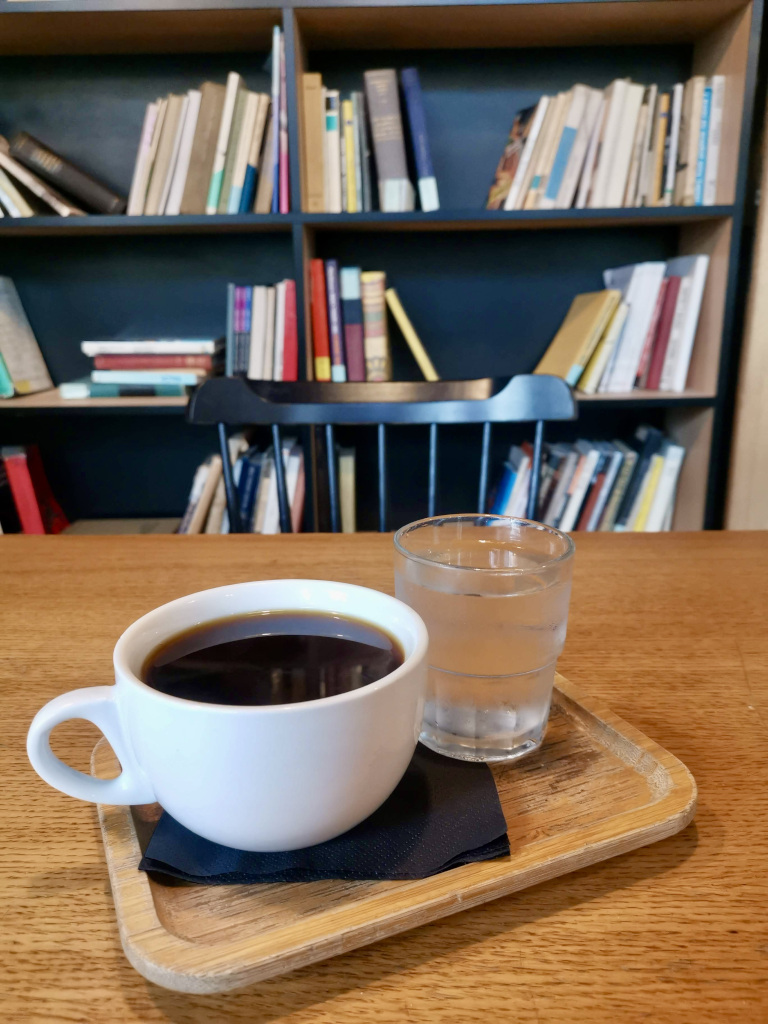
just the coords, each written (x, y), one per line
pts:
(51, 401)
(665, 398)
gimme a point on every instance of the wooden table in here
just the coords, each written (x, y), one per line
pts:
(669, 630)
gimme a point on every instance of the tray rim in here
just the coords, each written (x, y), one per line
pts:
(224, 966)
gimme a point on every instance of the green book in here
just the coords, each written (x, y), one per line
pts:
(232, 147)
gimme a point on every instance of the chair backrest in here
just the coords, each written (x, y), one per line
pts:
(235, 401)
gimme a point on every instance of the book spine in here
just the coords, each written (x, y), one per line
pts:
(365, 151)
(417, 123)
(65, 175)
(173, 205)
(136, 390)
(38, 188)
(266, 181)
(189, 378)
(198, 179)
(674, 143)
(220, 156)
(275, 155)
(245, 338)
(284, 199)
(662, 337)
(332, 152)
(291, 339)
(378, 362)
(348, 120)
(138, 190)
(343, 162)
(314, 135)
(233, 145)
(352, 317)
(617, 494)
(23, 491)
(338, 364)
(395, 189)
(655, 197)
(174, 155)
(240, 163)
(152, 362)
(357, 152)
(701, 156)
(145, 348)
(278, 363)
(516, 190)
(229, 350)
(644, 365)
(713, 140)
(320, 343)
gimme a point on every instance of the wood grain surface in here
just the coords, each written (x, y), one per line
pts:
(667, 630)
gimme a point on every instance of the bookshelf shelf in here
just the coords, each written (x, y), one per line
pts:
(78, 74)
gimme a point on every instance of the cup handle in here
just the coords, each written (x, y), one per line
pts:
(96, 704)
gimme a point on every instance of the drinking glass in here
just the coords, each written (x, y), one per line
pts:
(493, 592)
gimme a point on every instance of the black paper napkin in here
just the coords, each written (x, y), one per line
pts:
(443, 813)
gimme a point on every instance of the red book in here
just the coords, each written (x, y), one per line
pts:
(589, 504)
(643, 368)
(152, 362)
(320, 344)
(662, 335)
(39, 512)
(291, 338)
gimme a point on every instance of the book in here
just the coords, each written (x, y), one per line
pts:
(43, 191)
(579, 486)
(64, 175)
(364, 147)
(655, 196)
(273, 160)
(9, 517)
(624, 476)
(269, 342)
(556, 505)
(258, 332)
(187, 378)
(161, 167)
(299, 493)
(347, 490)
(510, 159)
(590, 159)
(644, 365)
(673, 138)
(215, 517)
(313, 134)
(284, 203)
(151, 362)
(230, 342)
(352, 318)
(640, 286)
(693, 270)
(378, 361)
(600, 358)
(356, 150)
(266, 181)
(701, 156)
(320, 340)
(664, 498)
(198, 482)
(519, 186)
(233, 148)
(578, 153)
(174, 156)
(503, 491)
(622, 155)
(22, 359)
(615, 96)
(688, 146)
(141, 168)
(197, 183)
(545, 153)
(412, 339)
(248, 195)
(633, 175)
(291, 334)
(233, 88)
(332, 150)
(396, 193)
(202, 507)
(646, 158)
(343, 160)
(417, 124)
(661, 342)
(13, 201)
(644, 499)
(574, 116)
(184, 156)
(350, 179)
(615, 460)
(77, 390)
(594, 487)
(240, 161)
(154, 346)
(279, 346)
(38, 510)
(335, 324)
(717, 84)
(646, 442)
(569, 351)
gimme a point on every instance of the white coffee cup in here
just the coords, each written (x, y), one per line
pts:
(266, 778)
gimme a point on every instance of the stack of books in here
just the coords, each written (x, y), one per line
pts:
(627, 145)
(636, 333)
(217, 149)
(22, 367)
(157, 367)
(340, 174)
(35, 180)
(350, 336)
(262, 333)
(27, 504)
(596, 485)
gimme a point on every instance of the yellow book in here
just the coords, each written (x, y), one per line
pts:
(576, 340)
(418, 351)
(590, 379)
(656, 194)
(648, 493)
(348, 120)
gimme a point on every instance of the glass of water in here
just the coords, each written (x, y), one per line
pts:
(493, 592)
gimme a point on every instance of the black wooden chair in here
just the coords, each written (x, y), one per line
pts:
(236, 402)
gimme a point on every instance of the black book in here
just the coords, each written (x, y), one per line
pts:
(9, 517)
(66, 176)
(646, 442)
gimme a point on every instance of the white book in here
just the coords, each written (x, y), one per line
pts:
(195, 493)
(269, 340)
(664, 498)
(258, 332)
(173, 204)
(545, 154)
(593, 375)
(637, 157)
(358, 156)
(680, 347)
(615, 96)
(593, 148)
(578, 153)
(140, 178)
(12, 199)
(674, 142)
(641, 298)
(250, 112)
(279, 343)
(153, 347)
(646, 155)
(574, 116)
(524, 167)
(234, 84)
(521, 481)
(622, 155)
(617, 457)
(162, 110)
(332, 138)
(717, 84)
(166, 189)
(556, 503)
(271, 517)
(579, 490)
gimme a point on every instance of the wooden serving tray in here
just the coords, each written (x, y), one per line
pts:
(597, 788)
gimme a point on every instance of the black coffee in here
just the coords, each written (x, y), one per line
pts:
(272, 658)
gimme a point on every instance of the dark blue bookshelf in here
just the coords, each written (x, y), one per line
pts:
(486, 290)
